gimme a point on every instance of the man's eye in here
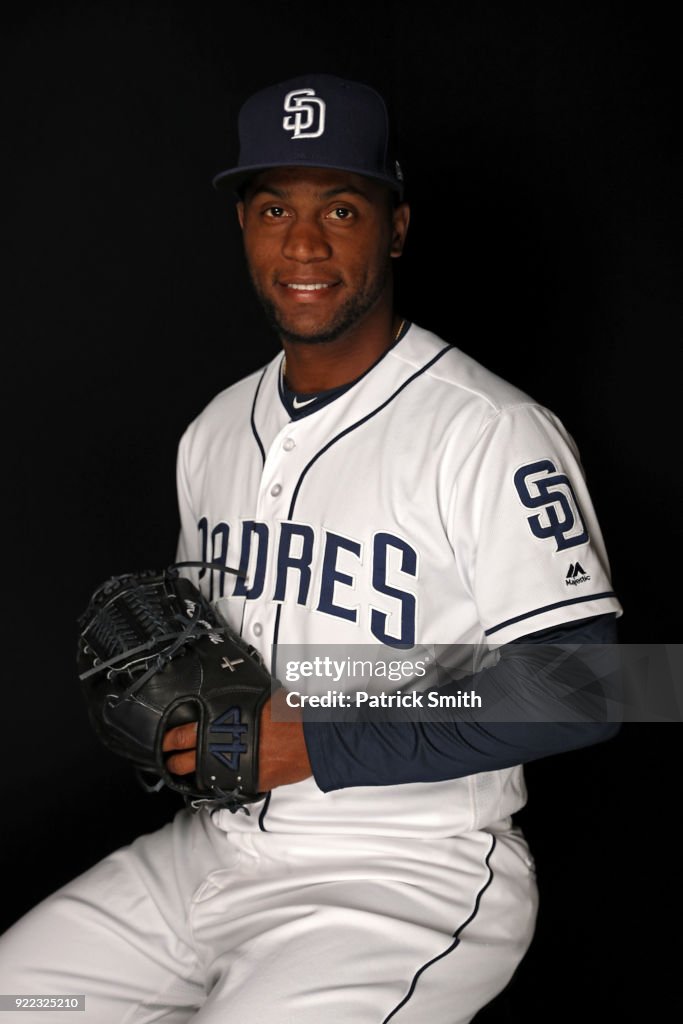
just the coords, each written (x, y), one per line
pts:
(275, 211)
(341, 213)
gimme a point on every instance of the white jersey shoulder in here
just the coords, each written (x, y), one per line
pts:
(457, 369)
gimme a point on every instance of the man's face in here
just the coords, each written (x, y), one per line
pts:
(318, 245)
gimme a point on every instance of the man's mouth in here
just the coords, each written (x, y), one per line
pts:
(308, 287)
(304, 283)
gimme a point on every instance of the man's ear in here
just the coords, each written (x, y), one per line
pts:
(400, 222)
(240, 213)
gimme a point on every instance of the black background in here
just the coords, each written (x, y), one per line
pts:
(541, 147)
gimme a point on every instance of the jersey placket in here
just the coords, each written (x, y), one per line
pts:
(285, 460)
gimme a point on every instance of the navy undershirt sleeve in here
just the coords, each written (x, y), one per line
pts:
(535, 671)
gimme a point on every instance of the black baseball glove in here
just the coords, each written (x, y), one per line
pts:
(153, 654)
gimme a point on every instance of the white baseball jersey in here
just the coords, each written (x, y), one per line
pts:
(430, 503)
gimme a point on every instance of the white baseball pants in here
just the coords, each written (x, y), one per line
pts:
(195, 924)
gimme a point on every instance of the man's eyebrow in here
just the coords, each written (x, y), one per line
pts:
(268, 190)
(342, 189)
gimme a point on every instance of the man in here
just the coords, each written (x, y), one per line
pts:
(379, 491)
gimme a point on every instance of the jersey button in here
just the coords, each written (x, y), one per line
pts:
(276, 489)
(258, 629)
(288, 444)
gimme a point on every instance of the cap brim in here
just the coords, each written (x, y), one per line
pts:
(237, 176)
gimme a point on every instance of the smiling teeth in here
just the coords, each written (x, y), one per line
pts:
(308, 287)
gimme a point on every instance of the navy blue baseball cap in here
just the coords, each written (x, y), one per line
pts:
(315, 120)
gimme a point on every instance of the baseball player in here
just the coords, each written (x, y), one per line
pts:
(377, 490)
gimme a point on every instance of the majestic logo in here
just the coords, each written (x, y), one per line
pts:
(539, 485)
(306, 114)
(576, 574)
(228, 753)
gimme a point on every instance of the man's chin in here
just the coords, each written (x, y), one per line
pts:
(319, 338)
(309, 329)
(300, 333)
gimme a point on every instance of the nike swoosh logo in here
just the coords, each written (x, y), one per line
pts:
(298, 404)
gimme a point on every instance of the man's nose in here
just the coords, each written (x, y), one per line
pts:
(305, 242)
